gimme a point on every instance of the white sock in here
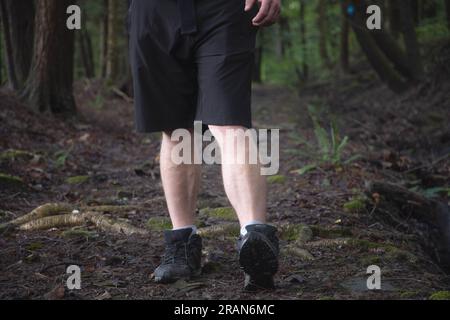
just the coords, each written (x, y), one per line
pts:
(244, 228)
(193, 227)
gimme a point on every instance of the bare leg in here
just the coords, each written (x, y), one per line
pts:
(245, 186)
(181, 183)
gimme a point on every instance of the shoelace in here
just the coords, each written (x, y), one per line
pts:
(176, 254)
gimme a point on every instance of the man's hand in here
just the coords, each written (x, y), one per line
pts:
(268, 12)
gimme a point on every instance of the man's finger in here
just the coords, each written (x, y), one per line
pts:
(249, 4)
(276, 13)
(263, 11)
(272, 15)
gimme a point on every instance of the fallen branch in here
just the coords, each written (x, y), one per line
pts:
(122, 94)
(419, 206)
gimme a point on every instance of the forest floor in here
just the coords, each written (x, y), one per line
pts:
(332, 226)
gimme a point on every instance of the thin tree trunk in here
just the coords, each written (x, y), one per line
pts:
(49, 86)
(305, 69)
(394, 18)
(411, 42)
(344, 45)
(285, 30)
(22, 35)
(112, 61)
(104, 39)
(90, 51)
(19, 16)
(86, 53)
(323, 29)
(447, 11)
(8, 46)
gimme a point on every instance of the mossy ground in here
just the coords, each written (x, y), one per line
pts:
(159, 224)
(77, 180)
(221, 213)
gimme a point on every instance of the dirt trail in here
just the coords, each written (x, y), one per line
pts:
(331, 237)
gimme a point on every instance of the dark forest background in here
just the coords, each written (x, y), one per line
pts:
(364, 179)
(313, 40)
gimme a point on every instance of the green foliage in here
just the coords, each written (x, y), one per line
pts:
(61, 157)
(329, 147)
(436, 192)
(440, 295)
(277, 179)
(355, 205)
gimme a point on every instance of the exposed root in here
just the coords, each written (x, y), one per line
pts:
(55, 215)
(112, 226)
(327, 243)
(65, 220)
(300, 253)
(46, 210)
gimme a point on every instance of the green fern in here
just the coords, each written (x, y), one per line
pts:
(329, 149)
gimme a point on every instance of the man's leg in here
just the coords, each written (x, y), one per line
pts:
(245, 186)
(182, 258)
(247, 191)
(181, 184)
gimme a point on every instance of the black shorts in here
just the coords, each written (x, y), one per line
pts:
(183, 72)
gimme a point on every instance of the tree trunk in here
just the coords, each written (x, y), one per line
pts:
(305, 70)
(323, 29)
(285, 30)
(411, 43)
(19, 18)
(393, 18)
(344, 49)
(376, 57)
(447, 11)
(87, 58)
(393, 52)
(8, 47)
(49, 86)
(112, 57)
(104, 40)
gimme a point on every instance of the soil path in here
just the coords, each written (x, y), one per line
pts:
(331, 239)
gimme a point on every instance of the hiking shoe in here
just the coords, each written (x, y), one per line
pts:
(258, 256)
(182, 257)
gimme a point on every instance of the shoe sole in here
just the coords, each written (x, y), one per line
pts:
(257, 258)
(195, 274)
